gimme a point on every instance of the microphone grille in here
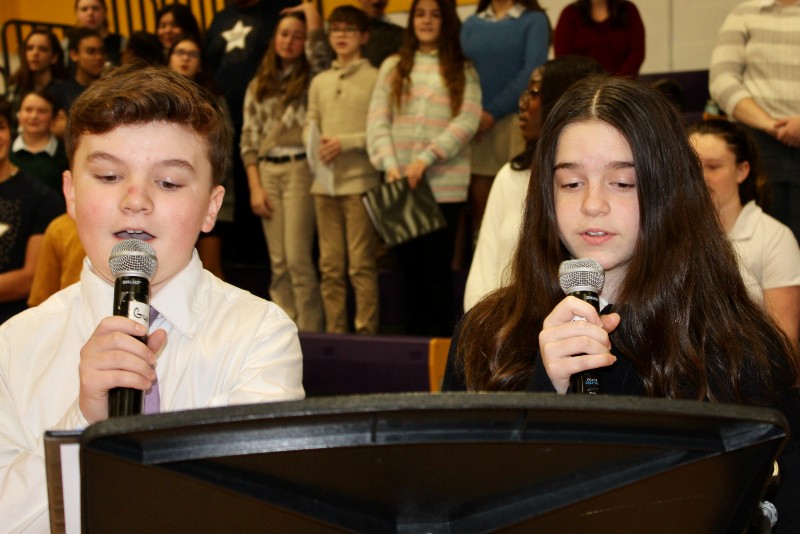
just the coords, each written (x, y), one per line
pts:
(583, 274)
(133, 257)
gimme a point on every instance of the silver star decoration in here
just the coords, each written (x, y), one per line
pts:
(236, 36)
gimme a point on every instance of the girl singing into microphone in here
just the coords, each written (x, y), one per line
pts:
(615, 179)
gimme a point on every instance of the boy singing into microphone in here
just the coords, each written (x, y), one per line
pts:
(147, 149)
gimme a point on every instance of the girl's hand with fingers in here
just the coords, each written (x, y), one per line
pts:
(574, 338)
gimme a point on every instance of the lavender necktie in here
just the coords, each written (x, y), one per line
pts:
(152, 399)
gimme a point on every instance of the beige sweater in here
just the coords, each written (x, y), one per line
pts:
(338, 101)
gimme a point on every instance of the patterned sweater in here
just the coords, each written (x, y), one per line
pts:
(758, 55)
(424, 128)
(269, 124)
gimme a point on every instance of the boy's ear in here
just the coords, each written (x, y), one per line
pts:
(69, 192)
(364, 38)
(214, 204)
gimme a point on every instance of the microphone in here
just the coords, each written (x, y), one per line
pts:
(583, 278)
(133, 263)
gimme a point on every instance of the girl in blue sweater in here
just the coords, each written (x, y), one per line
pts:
(506, 40)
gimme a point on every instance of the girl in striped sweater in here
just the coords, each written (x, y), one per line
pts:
(424, 111)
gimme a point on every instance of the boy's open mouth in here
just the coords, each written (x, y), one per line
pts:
(134, 234)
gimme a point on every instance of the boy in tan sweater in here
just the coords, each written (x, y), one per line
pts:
(338, 101)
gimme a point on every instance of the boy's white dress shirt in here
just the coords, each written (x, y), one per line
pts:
(224, 346)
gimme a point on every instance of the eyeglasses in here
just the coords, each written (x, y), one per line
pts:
(92, 51)
(191, 54)
(347, 30)
(527, 94)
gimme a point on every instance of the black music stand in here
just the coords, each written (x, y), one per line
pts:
(433, 463)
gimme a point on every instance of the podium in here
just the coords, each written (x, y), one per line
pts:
(455, 462)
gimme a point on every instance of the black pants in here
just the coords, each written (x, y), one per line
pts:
(782, 165)
(426, 263)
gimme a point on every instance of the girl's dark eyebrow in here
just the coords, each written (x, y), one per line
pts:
(610, 165)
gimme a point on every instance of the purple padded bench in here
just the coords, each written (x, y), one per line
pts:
(348, 364)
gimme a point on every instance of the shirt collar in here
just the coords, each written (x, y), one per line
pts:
(350, 67)
(97, 295)
(745, 225)
(179, 302)
(50, 148)
(515, 12)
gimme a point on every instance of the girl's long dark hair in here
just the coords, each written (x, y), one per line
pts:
(183, 16)
(269, 81)
(451, 57)
(688, 326)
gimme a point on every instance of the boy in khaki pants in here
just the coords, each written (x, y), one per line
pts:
(338, 101)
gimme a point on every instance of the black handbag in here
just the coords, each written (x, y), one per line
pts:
(400, 213)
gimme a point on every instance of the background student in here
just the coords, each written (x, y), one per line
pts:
(385, 36)
(143, 48)
(424, 111)
(608, 31)
(337, 104)
(505, 40)
(235, 44)
(88, 55)
(753, 77)
(93, 15)
(187, 57)
(36, 150)
(174, 20)
(499, 231)
(60, 260)
(40, 64)
(767, 250)
(274, 157)
(27, 206)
